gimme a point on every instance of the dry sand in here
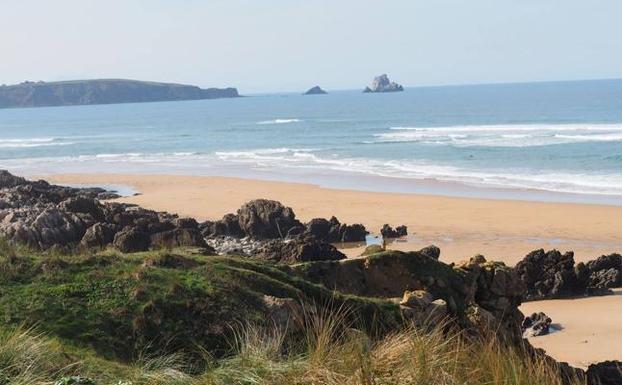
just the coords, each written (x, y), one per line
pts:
(500, 229)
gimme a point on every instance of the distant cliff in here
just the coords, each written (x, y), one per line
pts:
(103, 91)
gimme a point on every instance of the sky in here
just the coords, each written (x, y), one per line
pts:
(290, 45)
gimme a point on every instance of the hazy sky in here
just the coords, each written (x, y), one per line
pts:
(291, 45)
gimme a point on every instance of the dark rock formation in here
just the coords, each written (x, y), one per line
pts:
(44, 216)
(605, 373)
(266, 219)
(431, 251)
(605, 271)
(555, 275)
(537, 324)
(315, 91)
(549, 275)
(333, 231)
(104, 91)
(301, 249)
(388, 231)
(383, 84)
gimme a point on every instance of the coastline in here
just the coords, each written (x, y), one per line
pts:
(504, 230)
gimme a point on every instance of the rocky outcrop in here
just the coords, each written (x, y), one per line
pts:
(315, 91)
(472, 287)
(549, 275)
(605, 373)
(104, 91)
(299, 249)
(388, 231)
(264, 219)
(42, 216)
(537, 324)
(552, 274)
(605, 271)
(383, 84)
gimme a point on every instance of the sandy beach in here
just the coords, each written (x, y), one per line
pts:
(499, 229)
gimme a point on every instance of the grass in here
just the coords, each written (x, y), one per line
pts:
(177, 318)
(330, 352)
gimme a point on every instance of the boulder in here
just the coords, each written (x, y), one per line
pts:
(353, 233)
(537, 324)
(131, 240)
(301, 249)
(178, 237)
(266, 219)
(431, 251)
(605, 271)
(383, 84)
(99, 235)
(605, 373)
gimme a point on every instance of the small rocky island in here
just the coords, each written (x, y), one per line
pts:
(103, 91)
(383, 84)
(317, 90)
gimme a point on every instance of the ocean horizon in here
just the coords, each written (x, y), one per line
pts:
(551, 141)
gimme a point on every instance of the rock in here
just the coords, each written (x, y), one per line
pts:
(178, 237)
(605, 373)
(605, 272)
(383, 84)
(416, 299)
(431, 251)
(301, 249)
(352, 233)
(320, 228)
(537, 324)
(9, 180)
(131, 240)
(266, 219)
(388, 232)
(228, 226)
(99, 235)
(315, 91)
(549, 275)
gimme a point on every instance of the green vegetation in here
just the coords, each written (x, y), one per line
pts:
(182, 318)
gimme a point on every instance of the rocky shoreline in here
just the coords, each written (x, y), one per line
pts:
(477, 294)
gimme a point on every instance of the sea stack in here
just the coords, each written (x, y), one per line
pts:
(383, 84)
(317, 90)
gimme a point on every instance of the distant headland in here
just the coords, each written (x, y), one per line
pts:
(103, 91)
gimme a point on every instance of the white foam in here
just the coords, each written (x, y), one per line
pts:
(279, 121)
(504, 135)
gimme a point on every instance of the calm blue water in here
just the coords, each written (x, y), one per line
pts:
(556, 137)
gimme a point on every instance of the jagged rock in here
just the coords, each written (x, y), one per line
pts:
(388, 231)
(353, 233)
(301, 249)
(383, 84)
(315, 91)
(99, 235)
(605, 271)
(131, 240)
(228, 226)
(177, 238)
(537, 324)
(431, 251)
(549, 275)
(605, 373)
(333, 231)
(266, 219)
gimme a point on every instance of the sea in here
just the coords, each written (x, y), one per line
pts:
(552, 141)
